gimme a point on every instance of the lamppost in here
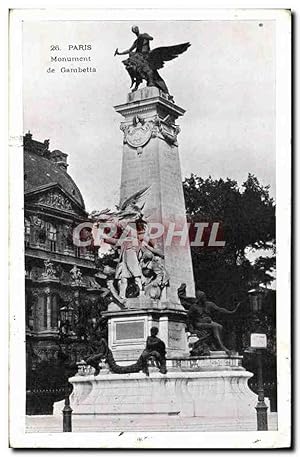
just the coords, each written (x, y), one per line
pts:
(66, 314)
(258, 344)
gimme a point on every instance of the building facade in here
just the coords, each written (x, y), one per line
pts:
(63, 295)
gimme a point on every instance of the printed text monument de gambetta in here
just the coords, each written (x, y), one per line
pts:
(71, 58)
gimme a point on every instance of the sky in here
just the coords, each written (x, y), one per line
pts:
(225, 82)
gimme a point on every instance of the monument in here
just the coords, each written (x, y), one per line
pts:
(130, 376)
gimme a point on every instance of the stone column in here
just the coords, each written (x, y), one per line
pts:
(48, 307)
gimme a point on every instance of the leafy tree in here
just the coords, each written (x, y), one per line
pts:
(247, 221)
(247, 224)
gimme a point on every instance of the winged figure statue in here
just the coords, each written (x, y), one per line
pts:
(130, 210)
(138, 257)
(142, 63)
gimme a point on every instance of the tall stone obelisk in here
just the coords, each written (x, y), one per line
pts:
(151, 158)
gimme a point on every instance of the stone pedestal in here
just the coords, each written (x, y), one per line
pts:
(150, 158)
(209, 389)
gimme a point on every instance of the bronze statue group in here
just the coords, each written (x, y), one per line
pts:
(142, 63)
(199, 323)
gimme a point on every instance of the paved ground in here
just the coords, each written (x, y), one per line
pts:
(53, 424)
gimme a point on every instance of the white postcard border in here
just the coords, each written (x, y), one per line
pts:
(280, 438)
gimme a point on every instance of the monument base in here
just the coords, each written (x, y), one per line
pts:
(128, 329)
(207, 390)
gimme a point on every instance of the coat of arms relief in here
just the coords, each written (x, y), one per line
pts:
(140, 131)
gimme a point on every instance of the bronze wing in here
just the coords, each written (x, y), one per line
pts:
(134, 199)
(159, 56)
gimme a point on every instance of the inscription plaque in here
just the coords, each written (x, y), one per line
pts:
(130, 330)
(258, 340)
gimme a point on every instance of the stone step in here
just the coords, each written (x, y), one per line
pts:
(90, 423)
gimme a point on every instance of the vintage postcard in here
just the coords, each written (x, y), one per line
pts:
(150, 177)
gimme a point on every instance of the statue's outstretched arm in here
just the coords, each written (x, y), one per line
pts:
(215, 307)
(127, 51)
